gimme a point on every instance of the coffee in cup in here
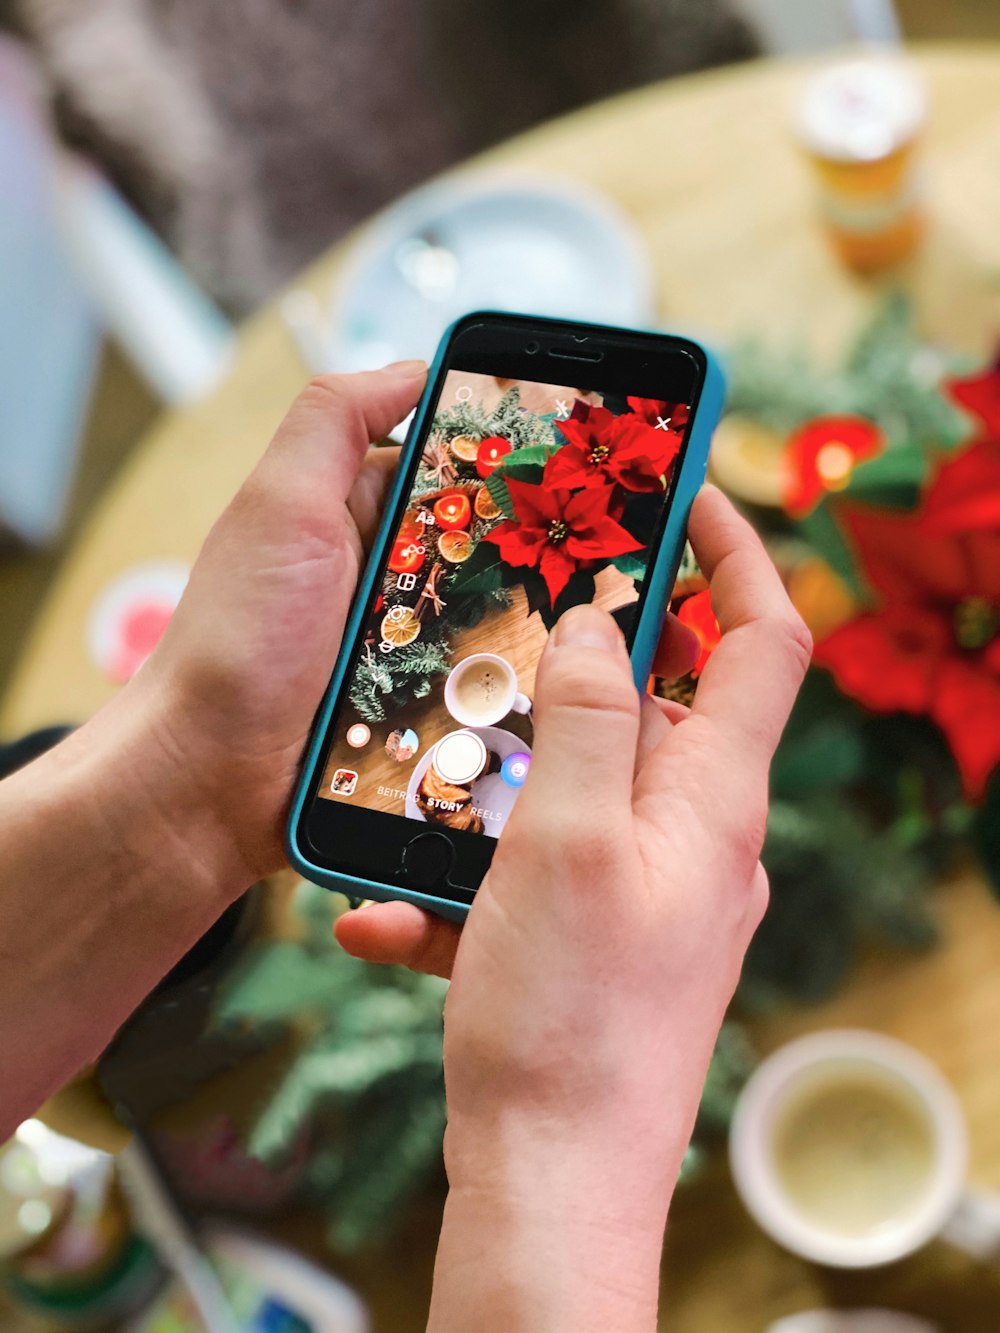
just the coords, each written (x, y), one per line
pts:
(850, 1149)
(482, 689)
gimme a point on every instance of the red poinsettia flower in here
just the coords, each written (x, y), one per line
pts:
(557, 532)
(601, 449)
(697, 614)
(933, 646)
(663, 416)
(821, 456)
(980, 395)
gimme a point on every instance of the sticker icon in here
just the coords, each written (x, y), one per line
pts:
(344, 782)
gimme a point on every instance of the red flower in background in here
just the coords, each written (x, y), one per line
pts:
(980, 395)
(696, 613)
(933, 646)
(602, 449)
(821, 456)
(558, 533)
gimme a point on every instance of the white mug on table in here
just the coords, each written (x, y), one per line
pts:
(850, 1149)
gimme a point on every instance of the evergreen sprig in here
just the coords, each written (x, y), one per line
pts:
(380, 685)
(366, 1076)
(890, 376)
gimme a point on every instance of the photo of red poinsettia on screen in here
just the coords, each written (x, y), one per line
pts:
(591, 498)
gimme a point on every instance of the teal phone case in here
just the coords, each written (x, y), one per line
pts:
(660, 578)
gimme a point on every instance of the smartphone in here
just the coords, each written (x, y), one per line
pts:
(549, 463)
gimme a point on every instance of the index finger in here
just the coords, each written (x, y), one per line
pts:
(751, 679)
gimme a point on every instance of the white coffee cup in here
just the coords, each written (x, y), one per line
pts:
(482, 689)
(774, 1104)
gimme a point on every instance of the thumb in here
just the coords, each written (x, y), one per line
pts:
(320, 445)
(586, 721)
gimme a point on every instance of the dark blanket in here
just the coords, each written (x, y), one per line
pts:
(252, 133)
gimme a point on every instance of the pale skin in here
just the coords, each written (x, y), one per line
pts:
(597, 962)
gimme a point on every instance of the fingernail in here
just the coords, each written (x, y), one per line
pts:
(407, 369)
(587, 627)
(688, 647)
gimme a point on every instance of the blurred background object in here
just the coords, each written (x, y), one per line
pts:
(253, 136)
(788, 25)
(46, 317)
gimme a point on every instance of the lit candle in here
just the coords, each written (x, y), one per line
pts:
(491, 452)
(453, 511)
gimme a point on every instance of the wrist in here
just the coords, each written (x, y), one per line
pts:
(112, 871)
(131, 772)
(541, 1231)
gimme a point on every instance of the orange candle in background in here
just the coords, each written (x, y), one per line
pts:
(860, 122)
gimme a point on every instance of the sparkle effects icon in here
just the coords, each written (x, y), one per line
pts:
(514, 768)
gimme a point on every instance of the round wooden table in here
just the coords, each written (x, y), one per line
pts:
(708, 172)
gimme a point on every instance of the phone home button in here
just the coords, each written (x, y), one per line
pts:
(427, 861)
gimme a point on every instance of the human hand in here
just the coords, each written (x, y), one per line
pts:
(248, 654)
(599, 956)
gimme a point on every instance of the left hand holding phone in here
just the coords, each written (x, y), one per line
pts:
(249, 649)
(170, 801)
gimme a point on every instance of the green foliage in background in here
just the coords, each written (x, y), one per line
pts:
(889, 375)
(366, 1080)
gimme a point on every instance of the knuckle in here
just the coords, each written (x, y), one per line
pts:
(758, 897)
(792, 632)
(590, 681)
(332, 395)
(743, 823)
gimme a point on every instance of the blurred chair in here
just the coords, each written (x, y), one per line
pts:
(75, 262)
(792, 25)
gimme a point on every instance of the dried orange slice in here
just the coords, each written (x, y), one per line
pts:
(486, 506)
(465, 448)
(455, 547)
(400, 626)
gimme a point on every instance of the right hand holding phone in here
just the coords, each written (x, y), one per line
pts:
(592, 976)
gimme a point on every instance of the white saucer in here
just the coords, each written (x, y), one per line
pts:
(852, 1321)
(487, 241)
(489, 792)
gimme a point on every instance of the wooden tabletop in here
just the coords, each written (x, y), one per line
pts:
(706, 169)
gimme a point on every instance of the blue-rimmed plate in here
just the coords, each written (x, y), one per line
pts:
(486, 242)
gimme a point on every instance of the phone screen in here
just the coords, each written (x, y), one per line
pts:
(529, 498)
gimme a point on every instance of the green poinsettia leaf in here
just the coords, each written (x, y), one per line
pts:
(821, 530)
(483, 572)
(522, 471)
(536, 591)
(830, 755)
(535, 455)
(986, 833)
(499, 493)
(632, 565)
(892, 479)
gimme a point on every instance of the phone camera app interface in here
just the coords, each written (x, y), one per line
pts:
(529, 499)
